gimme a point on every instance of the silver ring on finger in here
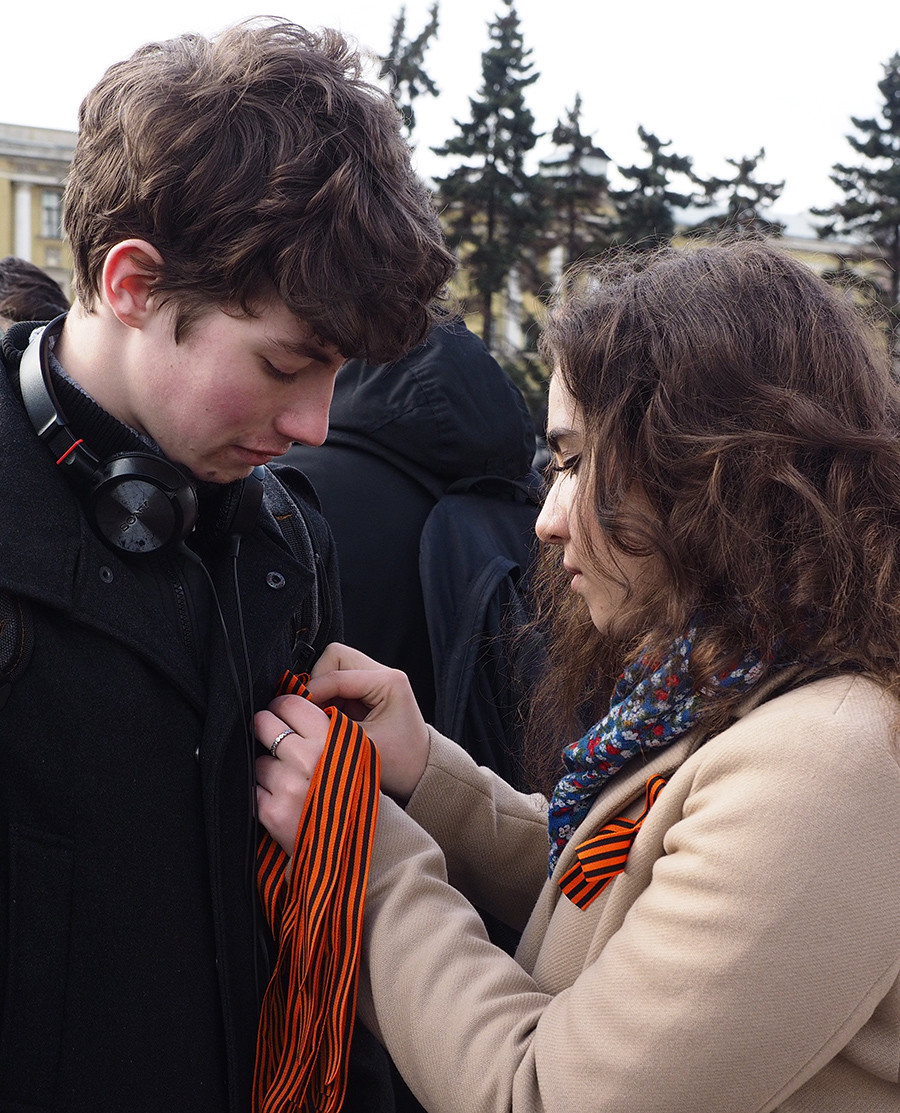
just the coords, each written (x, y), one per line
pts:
(280, 739)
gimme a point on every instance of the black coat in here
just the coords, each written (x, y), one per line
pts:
(131, 951)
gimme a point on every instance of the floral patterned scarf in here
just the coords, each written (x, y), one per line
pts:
(652, 705)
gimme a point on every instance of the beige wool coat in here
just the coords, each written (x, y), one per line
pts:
(746, 960)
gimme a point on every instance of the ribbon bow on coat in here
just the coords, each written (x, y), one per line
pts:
(600, 858)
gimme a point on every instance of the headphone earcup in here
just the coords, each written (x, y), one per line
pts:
(141, 504)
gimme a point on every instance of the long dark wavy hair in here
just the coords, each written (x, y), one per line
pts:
(753, 406)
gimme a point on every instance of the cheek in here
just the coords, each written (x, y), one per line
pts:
(231, 409)
(586, 534)
(607, 566)
(222, 405)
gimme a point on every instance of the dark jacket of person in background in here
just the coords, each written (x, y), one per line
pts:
(449, 410)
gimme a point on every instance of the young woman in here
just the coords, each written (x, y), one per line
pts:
(713, 923)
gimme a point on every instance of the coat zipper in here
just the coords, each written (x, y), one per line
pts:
(182, 610)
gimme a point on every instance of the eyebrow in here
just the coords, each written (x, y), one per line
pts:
(310, 348)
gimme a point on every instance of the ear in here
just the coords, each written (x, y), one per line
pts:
(127, 281)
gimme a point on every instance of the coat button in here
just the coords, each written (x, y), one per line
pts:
(275, 580)
(106, 574)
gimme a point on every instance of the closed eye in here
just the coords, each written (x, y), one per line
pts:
(279, 376)
(570, 463)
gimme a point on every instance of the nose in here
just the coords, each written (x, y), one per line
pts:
(552, 525)
(305, 420)
(304, 427)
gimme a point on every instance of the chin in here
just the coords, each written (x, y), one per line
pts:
(600, 615)
(606, 619)
(221, 475)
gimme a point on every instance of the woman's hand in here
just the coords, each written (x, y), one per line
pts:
(381, 700)
(282, 781)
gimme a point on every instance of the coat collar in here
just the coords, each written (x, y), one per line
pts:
(627, 786)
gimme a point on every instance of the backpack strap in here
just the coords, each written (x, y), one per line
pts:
(16, 640)
(312, 620)
(527, 489)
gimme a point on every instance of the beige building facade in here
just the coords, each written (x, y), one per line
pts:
(34, 163)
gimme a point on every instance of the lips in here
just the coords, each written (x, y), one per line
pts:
(575, 573)
(257, 456)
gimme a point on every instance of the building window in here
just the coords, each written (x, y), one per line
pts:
(51, 214)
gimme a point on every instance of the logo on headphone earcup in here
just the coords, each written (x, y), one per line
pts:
(141, 504)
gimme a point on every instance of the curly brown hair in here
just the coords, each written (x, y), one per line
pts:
(754, 407)
(260, 163)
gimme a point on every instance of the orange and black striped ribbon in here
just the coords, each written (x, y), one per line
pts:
(602, 857)
(314, 905)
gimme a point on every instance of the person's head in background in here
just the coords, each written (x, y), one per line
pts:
(28, 293)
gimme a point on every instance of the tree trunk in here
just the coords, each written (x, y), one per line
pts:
(487, 317)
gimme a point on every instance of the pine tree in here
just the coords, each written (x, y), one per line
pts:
(871, 203)
(578, 189)
(403, 65)
(742, 198)
(493, 207)
(645, 213)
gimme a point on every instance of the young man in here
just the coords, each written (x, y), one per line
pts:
(243, 217)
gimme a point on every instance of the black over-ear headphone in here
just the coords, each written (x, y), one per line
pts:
(137, 502)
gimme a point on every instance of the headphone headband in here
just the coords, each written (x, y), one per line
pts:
(43, 407)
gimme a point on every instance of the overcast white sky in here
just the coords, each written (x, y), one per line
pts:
(719, 80)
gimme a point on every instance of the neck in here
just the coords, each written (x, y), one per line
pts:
(95, 349)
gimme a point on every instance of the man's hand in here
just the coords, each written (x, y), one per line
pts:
(282, 781)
